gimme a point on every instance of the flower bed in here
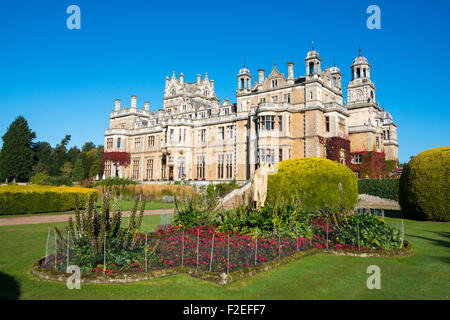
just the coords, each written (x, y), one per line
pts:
(201, 252)
(101, 247)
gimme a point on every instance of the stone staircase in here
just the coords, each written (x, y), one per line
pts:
(234, 198)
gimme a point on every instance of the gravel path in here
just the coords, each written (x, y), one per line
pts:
(64, 217)
(367, 201)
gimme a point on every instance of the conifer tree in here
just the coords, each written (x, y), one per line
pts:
(16, 156)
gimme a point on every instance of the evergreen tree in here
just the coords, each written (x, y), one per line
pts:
(78, 171)
(42, 155)
(60, 156)
(16, 160)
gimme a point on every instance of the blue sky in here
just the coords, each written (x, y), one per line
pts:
(65, 81)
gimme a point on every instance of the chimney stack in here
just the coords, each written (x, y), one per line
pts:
(290, 72)
(117, 104)
(261, 76)
(133, 102)
(167, 81)
(146, 106)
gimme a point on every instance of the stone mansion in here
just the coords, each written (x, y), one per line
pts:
(275, 117)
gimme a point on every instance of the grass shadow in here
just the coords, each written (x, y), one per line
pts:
(437, 242)
(394, 214)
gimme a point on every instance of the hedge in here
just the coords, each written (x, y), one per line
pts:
(424, 186)
(383, 188)
(314, 180)
(15, 199)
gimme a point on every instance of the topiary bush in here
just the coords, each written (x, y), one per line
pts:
(424, 186)
(315, 181)
(383, 188)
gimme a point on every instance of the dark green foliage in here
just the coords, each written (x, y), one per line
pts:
(59, 156)
(78, 171)
(88, 146)
(196, 210)
(45, 180)
(368, 232)
(16, 156)
(424, 186)
(383, 188)
(42, 157)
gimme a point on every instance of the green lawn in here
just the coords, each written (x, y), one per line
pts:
(424, 275)
(124, 204)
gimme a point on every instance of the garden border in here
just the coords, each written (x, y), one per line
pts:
(222, 278)
(371, 253)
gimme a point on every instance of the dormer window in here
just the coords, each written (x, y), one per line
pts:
(274, 83)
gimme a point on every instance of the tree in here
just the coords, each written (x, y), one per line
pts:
(66, 170)
(42, 157)
(59, 155)
(72, 154)
(16, 160)
(88, 146)
(78, 171)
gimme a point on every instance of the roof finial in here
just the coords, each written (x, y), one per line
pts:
(334, 61)
(274, 64)
(313, 44)
(360, 50)
(244, 62)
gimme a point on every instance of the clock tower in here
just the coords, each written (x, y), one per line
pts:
(360, 89)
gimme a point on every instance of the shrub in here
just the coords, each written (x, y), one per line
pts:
(315, 180)
(383, 188)
(424, 185)
(43, 179)
(15, 199)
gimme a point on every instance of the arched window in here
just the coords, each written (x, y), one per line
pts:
(311, 67)
(364, 72)
(358, 73)
(242, 84)
(173, 92)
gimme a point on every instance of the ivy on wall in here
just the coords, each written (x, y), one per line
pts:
(373, 164)
(338, 148)
(123, 158)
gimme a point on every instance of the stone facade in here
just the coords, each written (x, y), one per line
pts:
(195, 137)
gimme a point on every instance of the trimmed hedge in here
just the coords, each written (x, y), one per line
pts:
(316, 178)
(15, 199)
(383, 188)
(424, 186)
